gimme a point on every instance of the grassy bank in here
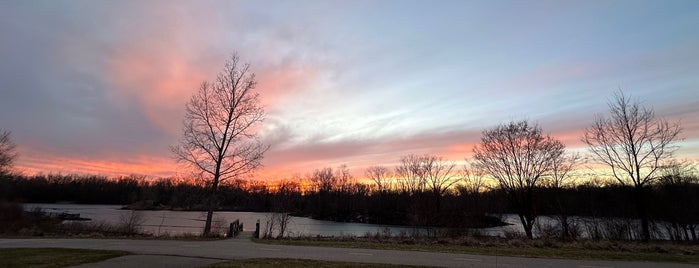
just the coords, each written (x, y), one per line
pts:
(53, 257)
(296, 263)
(591, 250)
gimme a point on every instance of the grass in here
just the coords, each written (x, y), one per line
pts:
(96, 235)
(586, 250)
(53, 257)
(297, 263)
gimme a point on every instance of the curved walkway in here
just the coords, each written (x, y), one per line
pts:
(173, 253)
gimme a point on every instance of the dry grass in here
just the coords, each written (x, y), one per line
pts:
(53, 257)
(297, 263)
(587, 249)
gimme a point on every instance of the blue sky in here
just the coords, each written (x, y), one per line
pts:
(100, 86)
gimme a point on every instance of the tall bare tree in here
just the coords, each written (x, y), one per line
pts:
(8, 153)
(219, 139)
(517, 155)
(633, 142)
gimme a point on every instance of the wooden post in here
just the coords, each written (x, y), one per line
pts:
(234, 228)
(257, 229)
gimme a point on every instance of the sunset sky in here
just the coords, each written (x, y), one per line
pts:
(99, 87)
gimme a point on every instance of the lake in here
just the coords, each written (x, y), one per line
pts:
(161, 222)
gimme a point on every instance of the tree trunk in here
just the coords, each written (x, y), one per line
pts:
(565, 227)
(527, 226)
(562, 215)
(207, 225)
(641, 209)
(211, 204)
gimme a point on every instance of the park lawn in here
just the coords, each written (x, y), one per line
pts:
(298, 263)
(53, 257)
(689, 256)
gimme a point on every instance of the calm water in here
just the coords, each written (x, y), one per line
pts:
(161, 222)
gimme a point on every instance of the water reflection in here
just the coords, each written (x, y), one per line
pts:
(167, 222)
(160, 222)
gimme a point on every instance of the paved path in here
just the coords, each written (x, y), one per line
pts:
(169, 253)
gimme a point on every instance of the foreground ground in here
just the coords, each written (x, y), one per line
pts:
(169, 253)
(62, 257)
(582, 250)
(54, 257)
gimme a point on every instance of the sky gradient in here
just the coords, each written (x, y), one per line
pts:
(99, 87)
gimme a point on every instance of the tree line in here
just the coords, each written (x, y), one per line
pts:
(675, 197)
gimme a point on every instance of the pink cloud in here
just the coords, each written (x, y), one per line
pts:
(39, 163)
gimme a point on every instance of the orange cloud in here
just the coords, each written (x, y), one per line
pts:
(159, 80)
(279, 81)
(137, 165)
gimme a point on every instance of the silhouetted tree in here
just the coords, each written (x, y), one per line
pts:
(411, 174)
(440, 174)
(559, 178)
(380, 175)
(219, 130)
(633, 143)
(517, 155)
(473, 184)
(337, 196)
(677, 172)
(323, 180)
(7, 153)
(678, 187)
(344, 180)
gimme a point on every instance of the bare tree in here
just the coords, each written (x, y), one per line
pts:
(219, 139)
(7, 153)
(411, 174)
(419, 173)
(677, 172)
(474, 180)
(557, 179)
(380, 176)
(677, 181)
(517, 155)
(440, 175)
(633, 143)
(323, 180)
(130, 222)
(344, 178)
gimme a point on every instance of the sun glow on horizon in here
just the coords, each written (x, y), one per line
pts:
(340, 82)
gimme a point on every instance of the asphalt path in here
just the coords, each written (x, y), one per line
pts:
(174, 253)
